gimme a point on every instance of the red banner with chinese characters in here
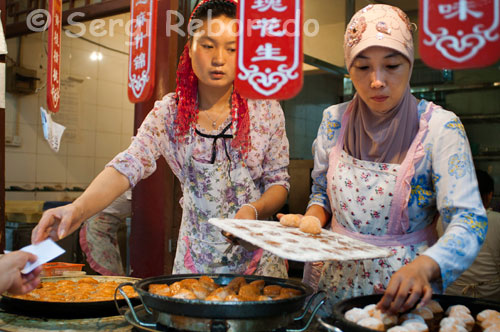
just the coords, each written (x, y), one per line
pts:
(54, 57)
(269, 53)
(142, 50)
(459, 34)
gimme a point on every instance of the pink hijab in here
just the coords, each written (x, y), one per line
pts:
(375, 136)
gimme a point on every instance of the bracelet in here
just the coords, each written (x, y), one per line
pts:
(254, 209)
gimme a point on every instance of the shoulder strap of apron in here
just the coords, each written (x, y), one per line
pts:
(398, 217)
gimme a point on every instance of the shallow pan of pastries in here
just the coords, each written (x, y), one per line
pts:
(443, 314)
(71, 297)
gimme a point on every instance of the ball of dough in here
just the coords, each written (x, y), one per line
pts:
(310, 224)
(290, 220)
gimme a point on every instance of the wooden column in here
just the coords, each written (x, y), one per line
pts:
(2, 151)
(155, 205)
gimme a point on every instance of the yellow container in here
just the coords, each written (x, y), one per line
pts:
(24, 211)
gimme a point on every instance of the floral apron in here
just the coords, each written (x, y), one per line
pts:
(218, 190)
(370, 202)
(99, 242)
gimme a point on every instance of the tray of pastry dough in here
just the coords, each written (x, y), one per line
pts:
(294, 244)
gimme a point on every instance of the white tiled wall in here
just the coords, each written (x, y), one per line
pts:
(106, 115)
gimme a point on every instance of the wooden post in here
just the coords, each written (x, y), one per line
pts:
(155, 204)
(2, 150)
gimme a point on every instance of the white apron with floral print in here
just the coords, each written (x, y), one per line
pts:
(369, 202)
(218, 190)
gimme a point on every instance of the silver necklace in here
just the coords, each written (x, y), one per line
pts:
(214, 122)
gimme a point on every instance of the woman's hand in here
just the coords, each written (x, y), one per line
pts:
(11, 278)
(57, 223)
(409, 285)
(245, 212)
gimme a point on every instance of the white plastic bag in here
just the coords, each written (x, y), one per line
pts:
(52, 131)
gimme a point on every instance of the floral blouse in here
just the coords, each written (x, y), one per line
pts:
(267, 159)
(444, 180)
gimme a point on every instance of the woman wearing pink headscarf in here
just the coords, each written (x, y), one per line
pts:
(385, 164)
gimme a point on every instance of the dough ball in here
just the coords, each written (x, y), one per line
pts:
(290, 220)
(310, 224)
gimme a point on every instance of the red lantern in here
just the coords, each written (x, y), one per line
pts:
(269, 56)
(142, 54)
(54, 57)
(459, 34)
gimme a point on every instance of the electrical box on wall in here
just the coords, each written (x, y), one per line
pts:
(21, 80)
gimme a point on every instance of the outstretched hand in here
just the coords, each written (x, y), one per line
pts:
(11, 278)
(409, 285)
(57, 223)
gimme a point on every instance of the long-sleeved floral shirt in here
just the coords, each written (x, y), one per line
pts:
(444, 180)
(267, 159)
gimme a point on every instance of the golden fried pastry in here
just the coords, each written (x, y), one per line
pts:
(493, 328)
(457, 308)
(467, 319)
(310, 224)
(487, 314)
(175, 287)
(234, 297)
(208, 283)
(290, 220)
(372, 323)
(160, 289)
(221, 292)
(84, 290)
(264, 298)
(413, 325)
(451, 321)
(214, 298)
(370, 309)
(452, 328)
(200, 291)
(398, 328)
(88, 281)
(259, 284)
(290, 292)
(184, 293)
(249, 292)
(388, 319)
(410, 316)
(271, 290)
(490, 322)
(236, 283)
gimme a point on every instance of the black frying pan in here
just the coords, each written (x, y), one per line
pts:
(67, 309)
(337, 319)
(222, 310)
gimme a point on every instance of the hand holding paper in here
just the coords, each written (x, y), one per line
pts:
(45, 251)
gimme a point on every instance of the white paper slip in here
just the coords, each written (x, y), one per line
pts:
(291, 243)
(45, 251)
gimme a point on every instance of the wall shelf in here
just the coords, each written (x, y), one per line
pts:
(479, 118)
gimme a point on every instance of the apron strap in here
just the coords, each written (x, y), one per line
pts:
(221, 135)
(428, 234)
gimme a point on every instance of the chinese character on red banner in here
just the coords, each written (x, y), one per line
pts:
(459, 34)
(269, 56)
(54, 57)
(141, 62)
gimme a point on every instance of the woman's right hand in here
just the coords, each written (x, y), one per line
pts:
(57, 223)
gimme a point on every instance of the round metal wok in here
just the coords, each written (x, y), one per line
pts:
(222, 310)
(337, 320)
(50, 309)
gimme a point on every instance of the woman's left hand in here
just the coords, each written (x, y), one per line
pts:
(248, 213)
(409, 285)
